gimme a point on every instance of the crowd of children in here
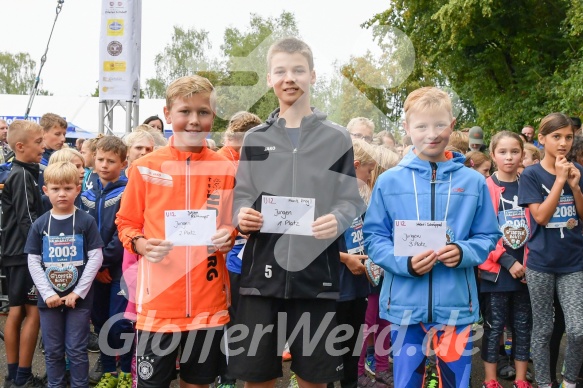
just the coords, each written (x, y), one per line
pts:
(372, 260)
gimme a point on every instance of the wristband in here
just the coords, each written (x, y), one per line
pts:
(134, 244)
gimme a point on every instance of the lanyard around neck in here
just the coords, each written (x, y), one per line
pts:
(417, 200)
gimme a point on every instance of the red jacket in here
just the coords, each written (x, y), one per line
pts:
(490, 269)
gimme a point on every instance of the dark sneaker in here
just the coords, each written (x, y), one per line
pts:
(93, 344)
(7, 383)
(32, 382)
(505, 368)
(364, 381)
(385, 378)
(96, 373)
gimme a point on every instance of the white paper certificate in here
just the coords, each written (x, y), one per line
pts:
(412, 237)
(190, 227)
(288, 215)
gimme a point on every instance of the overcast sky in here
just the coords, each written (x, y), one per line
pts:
(330, 27)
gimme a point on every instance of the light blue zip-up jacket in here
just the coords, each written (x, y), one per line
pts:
(444, 295)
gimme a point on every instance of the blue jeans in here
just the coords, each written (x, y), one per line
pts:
(66, 331)
(109, 301)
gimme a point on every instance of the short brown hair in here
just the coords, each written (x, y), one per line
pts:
(49, 120)
(20, 131)
(291, 46)
(427, 98)
(59, 173)
(187, 86)
(112, 144)
(459, 140)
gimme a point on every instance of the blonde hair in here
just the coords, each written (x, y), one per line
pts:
(20, 131)
(385, 159)
(159, 139)
(362, 121)
(138, 135)
(427, 98)
(459, 140)
(291, 46)
(363, 152)
(59, 173)
(186, 87)
(533, 150)
(49, 120)
(66, 155)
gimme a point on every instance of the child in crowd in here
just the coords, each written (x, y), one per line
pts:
(88, 153)
(139, 143)
(21, 206)
(102, 202)
(373, 358)
(504, 293)
(460, 141)
(531, 155)
(551, 190)
(64, 255)
(479, 161)
(351, 305)
(239, 124)
(293, 273)
(183, 287)
(67, 155)
(159, 139)
(54, 127)
(431, 295)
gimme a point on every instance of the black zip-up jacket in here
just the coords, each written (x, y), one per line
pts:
(21, 206)
(320, 167)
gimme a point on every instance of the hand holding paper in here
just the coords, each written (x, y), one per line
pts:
(423, 262)
(156, 250)
(325, 227)
(249, 220)
(222, 240)
(449, 255)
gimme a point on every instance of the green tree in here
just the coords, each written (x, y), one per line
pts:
(514, 63)
(245, 50)
(186, 54)
(17, 73)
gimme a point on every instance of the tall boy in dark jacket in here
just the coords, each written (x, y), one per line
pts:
(21, 206)
(297, 153)
(102, 202)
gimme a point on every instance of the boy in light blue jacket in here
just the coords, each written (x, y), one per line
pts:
(431, 298)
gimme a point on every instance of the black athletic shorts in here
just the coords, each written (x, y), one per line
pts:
(200, 357)
(255, 347)
(21, 288)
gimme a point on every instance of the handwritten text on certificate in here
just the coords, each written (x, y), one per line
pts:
(413, 237)
(288, 215)
(190, 227)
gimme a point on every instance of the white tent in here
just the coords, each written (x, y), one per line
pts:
(81, 111)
